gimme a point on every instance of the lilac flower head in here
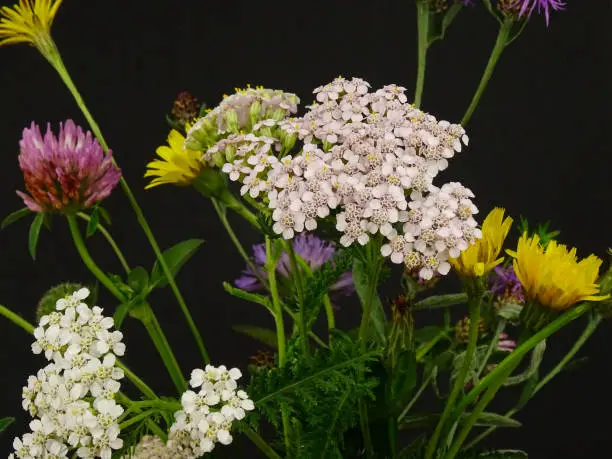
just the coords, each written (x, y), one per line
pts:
(543, 6)
(67, 172)
(313, 250)
(505, 283)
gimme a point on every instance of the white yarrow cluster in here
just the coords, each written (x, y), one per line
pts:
(207, 415)
(73, 396)
(369, 160)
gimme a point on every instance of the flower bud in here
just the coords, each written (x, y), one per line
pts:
(185, 108)
(255, 112)
(231, 121)
(203, 134)
(46, 305)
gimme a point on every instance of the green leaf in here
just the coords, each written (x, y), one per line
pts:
(5, 422)
(496, 420)
(504, 454)
(104, 214)
(264, 335)
(536, 359)
(252, 297)
(427, 333)
(138, 280)
(510, 312)
(404, 376)
(35, 233)
(15, 216)
(377, 319)
(442, 301)
(120, 314)
(528, 390)
(485, 419)
(175, 257)
(92, 224)
(446, 21)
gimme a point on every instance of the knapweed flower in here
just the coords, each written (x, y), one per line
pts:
(505, 284)
(72, 398)
(313, 250)
(552, 276)
(29, 21)
(207, 415)
(177, 165)
(526, 7)
(64, 173)
(482, 256)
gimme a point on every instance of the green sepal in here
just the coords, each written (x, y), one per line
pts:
(35, 233)
(15, 216)
(175, 257)
(92, 224)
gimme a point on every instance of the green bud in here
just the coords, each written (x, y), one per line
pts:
(277, 114)
(46, 305)
(230, 152)
(210, 182)
(218, 159)
(287, 141)
(202, 135)
(231, 120)
(255, 112)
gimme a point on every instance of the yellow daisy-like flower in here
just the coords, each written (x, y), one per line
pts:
(177, 165)
(29, 21)
(553, 276)
(482, 256)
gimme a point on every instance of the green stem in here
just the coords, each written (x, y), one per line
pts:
(299, 287)
(523, 349)
(422, 45)
(17, 320)
(271, 261)
(57, 63)
(498, 48)
(487, 432)
(137, 418)
(91, 265)
(139, 383)
(163, 348)
(428, 346)
(417, 395)
(329, 313)
(474, 308)
(501, 325)
(110, 240)
(153, 426)
(259, 442)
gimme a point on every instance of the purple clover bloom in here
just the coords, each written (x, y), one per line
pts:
(313, 250)
(527, 7)
(64, 173)
(504, 282)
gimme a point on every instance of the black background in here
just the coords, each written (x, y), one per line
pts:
(540, 146)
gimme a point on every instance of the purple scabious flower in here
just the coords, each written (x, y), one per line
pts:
(504, 282)
(64, 173)
(313, 250)
(526, 7)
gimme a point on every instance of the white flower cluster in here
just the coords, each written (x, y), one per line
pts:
(73, 396)
(368, 157)
(207, 415)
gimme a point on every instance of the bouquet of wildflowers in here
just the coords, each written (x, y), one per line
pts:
(344, 195)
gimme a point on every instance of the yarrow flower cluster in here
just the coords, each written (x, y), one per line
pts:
(67, 172)
(367, 157)
(207, 415)
(313, 250)
(73, 396)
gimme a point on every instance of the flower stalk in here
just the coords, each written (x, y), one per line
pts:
(423, 22)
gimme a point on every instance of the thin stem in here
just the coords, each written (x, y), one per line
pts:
(86, 257)
(271, 261)
(487, 432)
(417, 395)
(139, 383)
(428, 346)
(57, 63)
(498, 48)
(329, 313)
(422, 45)
(223, 217)
(474, 308)
(110, 240)
(17, 320)
(501, 325)
(299, 286)
(138, 417)
(258, 441)
(153, 426)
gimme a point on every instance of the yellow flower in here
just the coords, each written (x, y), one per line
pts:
(482, 256)
(553, 276)
(28, 22)
(178, 165)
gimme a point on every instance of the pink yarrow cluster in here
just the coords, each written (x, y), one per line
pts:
(368, 158)
(67, 172)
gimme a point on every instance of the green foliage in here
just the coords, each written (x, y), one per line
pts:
(320, 394)
(442, 301)
(131, 435)
(5, 422)
(175, 257)
(35, 233)
(361, 279)
(15, 216)
(541, 230)
(92, 224)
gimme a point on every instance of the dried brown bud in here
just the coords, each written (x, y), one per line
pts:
(186, 107)
(462, 329)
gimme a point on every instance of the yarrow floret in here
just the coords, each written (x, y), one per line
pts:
(207, 415)
(368, 160)
(73, 396)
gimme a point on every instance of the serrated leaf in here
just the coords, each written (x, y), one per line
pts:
(377, 318)
(252, 297)
(92, 224)
(34, 234)
(261, 334)
(15, 216)
(175, 257)
(442, 301)
(5, 422)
